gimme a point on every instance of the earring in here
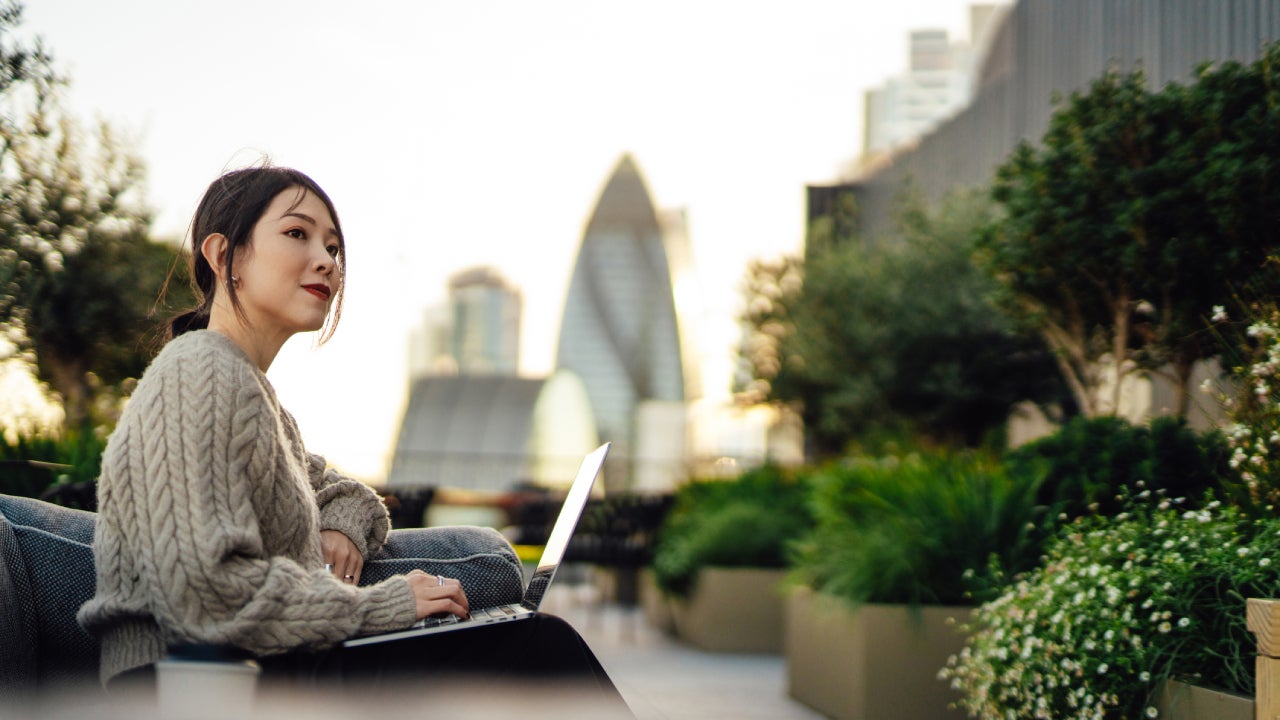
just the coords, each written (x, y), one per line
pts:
(235, 281)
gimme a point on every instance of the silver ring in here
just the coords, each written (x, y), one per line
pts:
(348, 577)
(441, 579)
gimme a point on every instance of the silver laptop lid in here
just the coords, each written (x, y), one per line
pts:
(570, 512)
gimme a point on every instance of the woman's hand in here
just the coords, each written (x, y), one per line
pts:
(343, 555)
(434, 598)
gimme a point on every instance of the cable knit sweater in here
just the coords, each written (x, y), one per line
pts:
(210, 512)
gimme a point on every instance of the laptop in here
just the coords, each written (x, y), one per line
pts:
(552, 554)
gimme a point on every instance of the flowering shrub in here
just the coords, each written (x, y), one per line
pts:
(1119, 605)
(1254, 434)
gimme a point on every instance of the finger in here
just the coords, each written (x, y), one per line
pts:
(338, 555)
(446, 606)
(450, 594)
(453, 590)
(334, 557)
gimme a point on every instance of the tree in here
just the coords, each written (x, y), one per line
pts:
(20, 64)
(1136, 214)
(898, 337)
(78, 274)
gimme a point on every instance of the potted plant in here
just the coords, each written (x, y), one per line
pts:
(722, 555)
(1138, 615)
(1142, 613)
(901, 549)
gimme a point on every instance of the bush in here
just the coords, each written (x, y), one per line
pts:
(79, 451)
(1090, 462)
(921, 529)
(1251, 354)
(746, 522)
(1119, 605)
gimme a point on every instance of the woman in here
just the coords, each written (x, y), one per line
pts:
(216, 526)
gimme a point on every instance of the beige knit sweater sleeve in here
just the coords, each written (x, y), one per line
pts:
(208, 522)
(348, 506)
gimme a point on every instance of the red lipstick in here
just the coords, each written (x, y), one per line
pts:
(319, 290)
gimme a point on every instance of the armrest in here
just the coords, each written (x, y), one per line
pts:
(49, 553)
(478, 557)
(17, 621)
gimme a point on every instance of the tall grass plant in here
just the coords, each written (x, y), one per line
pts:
(924, 528)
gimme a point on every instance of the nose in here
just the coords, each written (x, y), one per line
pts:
(325, 263)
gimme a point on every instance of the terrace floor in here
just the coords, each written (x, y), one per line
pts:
(662, 679)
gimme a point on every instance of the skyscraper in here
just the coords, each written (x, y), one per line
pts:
(470, 422)
(486, 322)
(619, 331)
(476, 333)
(938, 83)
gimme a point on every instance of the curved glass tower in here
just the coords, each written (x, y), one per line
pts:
(619, 332)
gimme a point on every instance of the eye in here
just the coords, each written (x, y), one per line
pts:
(333, 250)
(296, 233)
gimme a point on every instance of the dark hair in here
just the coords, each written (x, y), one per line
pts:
(231, 206)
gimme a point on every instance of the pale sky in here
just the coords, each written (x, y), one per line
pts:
(453, 134)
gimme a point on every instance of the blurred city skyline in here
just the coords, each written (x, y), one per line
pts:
(457, 135)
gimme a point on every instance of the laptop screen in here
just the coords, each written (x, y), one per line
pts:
(579, 491)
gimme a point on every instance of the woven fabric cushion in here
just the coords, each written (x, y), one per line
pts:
(480, 558)
(55, 544)
(17, 622)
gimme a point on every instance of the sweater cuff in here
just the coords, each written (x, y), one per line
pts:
(393, 606)
(354, 510)
(128, 644)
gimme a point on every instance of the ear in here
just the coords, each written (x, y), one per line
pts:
(214, 250)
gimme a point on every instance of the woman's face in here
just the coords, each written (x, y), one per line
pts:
(290, 270)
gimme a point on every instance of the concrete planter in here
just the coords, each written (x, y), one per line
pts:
(733, 610)
(1179, 701)
(875, 662)
(658, 609)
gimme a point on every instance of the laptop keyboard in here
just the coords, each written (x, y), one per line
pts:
(500, 612)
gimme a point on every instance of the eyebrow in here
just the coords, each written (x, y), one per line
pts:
(303, 216)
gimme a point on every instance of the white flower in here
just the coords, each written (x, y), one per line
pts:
(1152, 711)
(1144, 676)
(1219, 315)
(1102, 669)
(1164, 628)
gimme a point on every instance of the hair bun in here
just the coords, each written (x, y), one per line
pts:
(187, 321)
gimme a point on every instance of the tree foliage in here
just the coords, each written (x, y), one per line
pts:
(20, 63)
(899, 337)
(1137, 213)
(78, 272)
